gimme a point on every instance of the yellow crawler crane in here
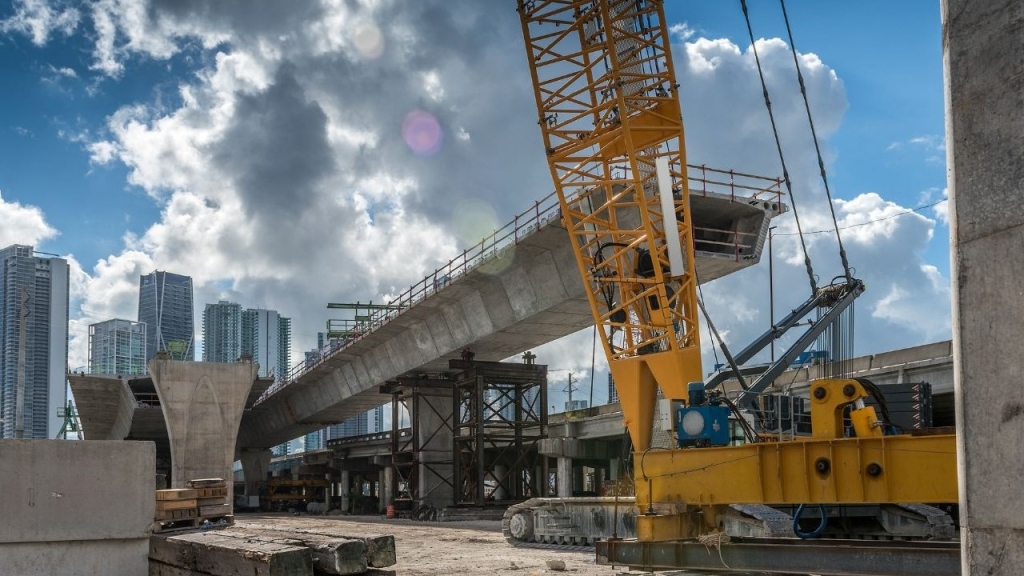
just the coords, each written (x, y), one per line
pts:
(609, 114)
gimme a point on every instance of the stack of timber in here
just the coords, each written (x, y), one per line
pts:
(212, 497)
(176, 508)
(205, 499)
(255, 551)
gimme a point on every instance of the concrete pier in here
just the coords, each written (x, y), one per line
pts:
(202, 403)
(983, 43)
(255, 465)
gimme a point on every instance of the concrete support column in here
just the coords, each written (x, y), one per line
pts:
(255, 464)
(984, 73)
(564, 475)
(202, 404)
(346, 488)
(386, 497)
(500, 491)
(435, 453)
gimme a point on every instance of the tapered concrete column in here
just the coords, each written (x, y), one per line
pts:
(564, 477)
(202, 404)
(983, 44)
(346, 488)
(255, 464)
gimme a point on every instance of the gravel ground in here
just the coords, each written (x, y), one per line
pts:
(468, 548)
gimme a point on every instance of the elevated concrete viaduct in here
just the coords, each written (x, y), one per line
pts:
(528, 293)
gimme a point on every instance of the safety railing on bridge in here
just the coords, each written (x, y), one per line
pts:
(702, 179)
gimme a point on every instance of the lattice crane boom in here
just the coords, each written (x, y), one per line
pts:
(609, 113)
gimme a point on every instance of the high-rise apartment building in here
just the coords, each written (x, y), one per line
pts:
(613, 393)
(117, 347)
(222, 332)
(315, 440)
(42, 284)
(165, 305)
(267, 337)
(354, 426)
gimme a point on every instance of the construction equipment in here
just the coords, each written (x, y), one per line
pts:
(609, 114)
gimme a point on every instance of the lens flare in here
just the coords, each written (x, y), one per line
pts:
(475, 221)
(422, 133)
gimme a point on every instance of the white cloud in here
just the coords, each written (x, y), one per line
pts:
(285, 181)
(23, 224)
(37, 19)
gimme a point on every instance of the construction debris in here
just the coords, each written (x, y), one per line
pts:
(205, 500)
(380, 548)
(340, 556)
(211, 553)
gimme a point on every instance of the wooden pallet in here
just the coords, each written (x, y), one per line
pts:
(177, 494)
(169, 505)
(213, 492)
(194, 523)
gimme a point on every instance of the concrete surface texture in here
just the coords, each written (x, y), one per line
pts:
(528, 294)
(75, 508)
(105, 404)
(202, 403)
(983, 43)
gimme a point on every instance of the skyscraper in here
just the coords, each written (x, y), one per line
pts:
(117, 347)
(44, 282)
(354, 426)
(222, 332)
(613, 392)
(165, 305)
(267, 337)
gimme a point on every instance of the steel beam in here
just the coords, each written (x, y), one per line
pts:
(822, 557)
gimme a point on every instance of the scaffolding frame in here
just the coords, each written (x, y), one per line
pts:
(501, 414)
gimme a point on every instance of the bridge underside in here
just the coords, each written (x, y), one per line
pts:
(528, 295)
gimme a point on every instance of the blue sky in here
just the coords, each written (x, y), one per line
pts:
(167, 126)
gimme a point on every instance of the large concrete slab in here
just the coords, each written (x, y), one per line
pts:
(75, 508)
(984, 73)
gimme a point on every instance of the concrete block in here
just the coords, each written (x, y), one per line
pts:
(117, 557)
(331, 555)
(380, 548)
(218, 555)
(56, 490)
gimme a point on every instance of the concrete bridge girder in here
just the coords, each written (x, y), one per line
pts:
(530, 295)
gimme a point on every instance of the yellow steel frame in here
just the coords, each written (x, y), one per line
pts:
(608, 107)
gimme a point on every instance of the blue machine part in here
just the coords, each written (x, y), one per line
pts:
(702, 426)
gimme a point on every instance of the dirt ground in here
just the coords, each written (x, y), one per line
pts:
(469, 548)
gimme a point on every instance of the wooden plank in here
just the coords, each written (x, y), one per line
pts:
(211, 501)
(215, 510)
(211, 553)
(164, 505)
(176, 494)
(206, 483)
(181, 514)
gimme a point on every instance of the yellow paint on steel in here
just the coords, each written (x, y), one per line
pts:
(608, 106)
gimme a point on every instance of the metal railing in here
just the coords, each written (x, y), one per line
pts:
(702, 179)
